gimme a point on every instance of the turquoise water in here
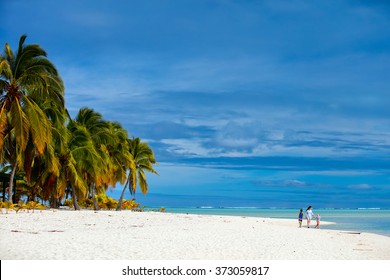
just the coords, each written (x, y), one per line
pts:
(361, 220)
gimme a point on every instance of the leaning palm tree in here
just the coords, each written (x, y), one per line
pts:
(23, 74)
(41, 170)
(77, 156)
(96, 172)
(143, 158)
(120, 159)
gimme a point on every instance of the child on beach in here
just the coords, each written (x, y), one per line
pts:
(300, 217)
(318, 218)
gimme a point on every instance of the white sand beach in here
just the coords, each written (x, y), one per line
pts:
(126, 235)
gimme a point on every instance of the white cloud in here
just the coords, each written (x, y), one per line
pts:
(360, 187)
(189, 147)
(287, 183)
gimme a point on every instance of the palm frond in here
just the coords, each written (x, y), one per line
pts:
(20, 124)
(76, 178)
(3, 124)
(9, 55)
(40, 127)
(5, 69)
(142, 181)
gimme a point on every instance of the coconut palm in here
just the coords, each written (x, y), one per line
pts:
(96, 172)
(77, 157)
(24, 74)
(144, 159)
(41, 171)
(120, 159)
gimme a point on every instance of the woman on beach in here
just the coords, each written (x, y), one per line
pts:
(309, 215)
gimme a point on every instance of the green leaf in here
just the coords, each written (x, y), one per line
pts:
(5, 69)
(3, 124)
(40, 126)
(19, 123)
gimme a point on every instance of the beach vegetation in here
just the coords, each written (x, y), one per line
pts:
(68, 203)
(106, 202)
(21, 206)
(9, 206)
(87, 203)
(130, 205)
(32, 205)
(60, 158)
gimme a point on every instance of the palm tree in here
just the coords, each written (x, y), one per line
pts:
(96, 156)
(120, 159)
(41, 171)
(143, 158)
(96, 172)
(23, 75)
(77, 156)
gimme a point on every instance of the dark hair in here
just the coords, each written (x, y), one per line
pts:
(301, 210)
(308, 208)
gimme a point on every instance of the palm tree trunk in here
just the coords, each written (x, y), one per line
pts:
(11, 182)
(95, 204)
(119, 207)
(75, 202)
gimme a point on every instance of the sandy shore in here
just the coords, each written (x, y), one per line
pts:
(110, 235)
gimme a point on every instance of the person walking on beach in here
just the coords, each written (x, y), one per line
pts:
(300, 217)
(309, 215)
(318, 218)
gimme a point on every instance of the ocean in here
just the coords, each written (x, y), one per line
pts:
(359, 220)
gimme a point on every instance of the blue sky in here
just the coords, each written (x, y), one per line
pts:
(245, 103)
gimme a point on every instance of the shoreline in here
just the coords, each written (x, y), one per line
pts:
(112, 235)
(363, 220)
